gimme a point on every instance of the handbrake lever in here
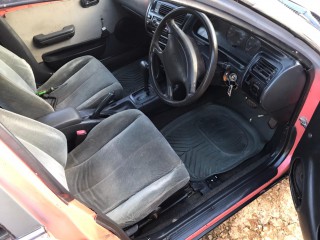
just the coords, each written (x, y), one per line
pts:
(106, 101)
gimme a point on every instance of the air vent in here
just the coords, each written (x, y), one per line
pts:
(165, 9)
(264, 69)
(180, 19)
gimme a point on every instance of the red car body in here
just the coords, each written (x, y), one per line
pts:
(74, 220)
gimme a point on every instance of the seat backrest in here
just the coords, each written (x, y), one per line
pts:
(18, 87)
(45, 143)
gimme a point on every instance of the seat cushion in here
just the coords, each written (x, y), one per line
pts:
(82, 83)
(125, 168)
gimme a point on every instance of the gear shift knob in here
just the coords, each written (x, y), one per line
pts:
(144, 64)
(145, 71)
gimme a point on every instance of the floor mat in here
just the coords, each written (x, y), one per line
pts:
(130, 77)
(212, 139)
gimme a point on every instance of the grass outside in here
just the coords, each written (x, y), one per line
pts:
(271, 216)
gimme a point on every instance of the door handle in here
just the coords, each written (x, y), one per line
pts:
(43, 40)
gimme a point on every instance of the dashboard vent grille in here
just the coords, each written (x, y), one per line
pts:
(165, 9)
(264, 69)
(180, 19)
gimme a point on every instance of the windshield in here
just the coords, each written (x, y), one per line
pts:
(306, 9)
(285, 10)
(302, 21)
(311, 5)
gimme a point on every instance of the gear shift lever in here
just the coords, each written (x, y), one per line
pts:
(145, 71)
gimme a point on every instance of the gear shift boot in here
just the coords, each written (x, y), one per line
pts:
(141, 96)
(146, 94)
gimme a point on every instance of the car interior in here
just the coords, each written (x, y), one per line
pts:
(146, 113)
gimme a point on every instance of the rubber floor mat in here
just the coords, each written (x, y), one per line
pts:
(130, 77)
(212, 139)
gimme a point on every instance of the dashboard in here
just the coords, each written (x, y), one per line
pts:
(233, 41)
(236, 38)
(269, 77)
(139, 7)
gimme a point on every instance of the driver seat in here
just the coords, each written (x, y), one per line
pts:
(124, 168)
(81, 83)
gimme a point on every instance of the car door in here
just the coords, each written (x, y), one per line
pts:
(305, 178)
(50, 33)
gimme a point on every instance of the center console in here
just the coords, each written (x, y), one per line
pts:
(76, 124)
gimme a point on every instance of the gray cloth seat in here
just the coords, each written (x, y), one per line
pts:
(125, 167)
(82, 83)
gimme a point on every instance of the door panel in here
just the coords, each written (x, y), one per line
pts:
(305, 179)
(106, 31)
(54, 16)
(10, 40)
(57, 58)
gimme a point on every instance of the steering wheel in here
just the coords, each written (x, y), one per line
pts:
(182, 60)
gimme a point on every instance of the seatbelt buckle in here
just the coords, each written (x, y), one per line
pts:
(80, 136)
(48, 91)
(44, 92)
